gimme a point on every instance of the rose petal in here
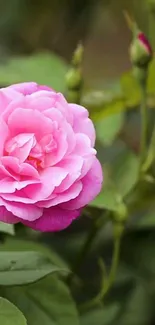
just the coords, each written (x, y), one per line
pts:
(92, 184)
(53, 219)
(4, 132)
(81, 122)
(83, 145)
(7, 217)
(7, 185)
(73, 165)
(7, 95)
(22, 120)
(21, 210)
(69, 194)
(27, 88)
(20, 146)
(49, 179)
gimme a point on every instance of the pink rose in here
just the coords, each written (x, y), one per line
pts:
(48, 164)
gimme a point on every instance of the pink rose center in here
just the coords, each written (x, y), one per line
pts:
(25, 147)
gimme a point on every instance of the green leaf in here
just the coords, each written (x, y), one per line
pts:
(43, 68)
(18, 268)
(144, 222)
(10, 314)
(47, 302)
(101, 316)
(136, 310)
(125, 172)
(109, 199)
(14, 244)
(109, 127)
(103, 103)
(130, 89)
(151, 78)
(151, 153)
(7, 228)
(138, 253)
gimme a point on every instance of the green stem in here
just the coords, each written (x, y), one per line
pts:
(144, 123)
(98, 223)
(150, 155)
(113, 270)
(151, 22)
(108, 280)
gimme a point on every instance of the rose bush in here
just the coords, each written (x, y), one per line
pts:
(48, 164)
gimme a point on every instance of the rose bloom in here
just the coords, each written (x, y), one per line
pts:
(48, 164)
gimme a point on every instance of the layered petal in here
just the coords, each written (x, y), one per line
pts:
(54, 219)
(48, 165)
(21, 210)
(28, 88)
(82, 123)
(92, 184)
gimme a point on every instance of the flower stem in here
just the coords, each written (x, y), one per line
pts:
(108, 280)
(144, 123)
(98, 223)
(113, 270)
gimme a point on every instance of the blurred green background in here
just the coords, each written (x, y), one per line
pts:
(27, 27)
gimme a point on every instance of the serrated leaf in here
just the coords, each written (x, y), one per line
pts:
(43, 68)
(47, 302)
(18, 268)
(10, 314)
(7, 228)
(109, 127)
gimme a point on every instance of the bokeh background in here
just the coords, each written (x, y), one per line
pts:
(29, 26)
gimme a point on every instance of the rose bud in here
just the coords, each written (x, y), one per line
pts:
(74, 77)
(140, 50)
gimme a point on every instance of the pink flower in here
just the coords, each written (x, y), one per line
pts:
(48, 164)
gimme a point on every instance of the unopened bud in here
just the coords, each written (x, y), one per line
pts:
(78, 55)
(140, 50)
(121, 214)
(74, 79)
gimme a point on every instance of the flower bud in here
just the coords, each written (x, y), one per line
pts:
(74, 79)
(140, 50)
(121, 214)
(78, 55)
